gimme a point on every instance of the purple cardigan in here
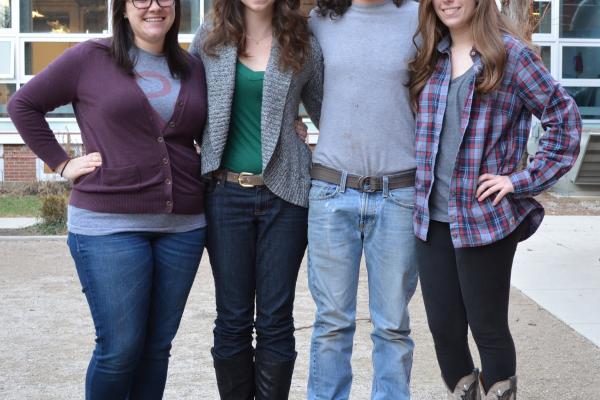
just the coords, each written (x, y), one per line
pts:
(145, 168)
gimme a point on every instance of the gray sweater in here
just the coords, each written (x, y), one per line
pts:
(285, 157)
(367, 125)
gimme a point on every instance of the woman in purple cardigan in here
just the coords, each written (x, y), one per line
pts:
(136, 219)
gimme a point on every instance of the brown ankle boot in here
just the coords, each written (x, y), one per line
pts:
(503, 390)
(467, 388)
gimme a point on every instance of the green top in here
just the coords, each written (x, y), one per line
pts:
(243, 151)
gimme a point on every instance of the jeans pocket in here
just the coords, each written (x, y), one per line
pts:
(320, 190)
(404, 197)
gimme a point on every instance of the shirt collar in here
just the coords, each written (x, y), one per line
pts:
(444, 47)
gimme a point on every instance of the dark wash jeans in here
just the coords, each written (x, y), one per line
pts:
(255, 242)
(136, 285)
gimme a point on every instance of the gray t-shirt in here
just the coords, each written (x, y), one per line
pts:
(449, 144)
(367, 125)
(154, 78)
(161, 89)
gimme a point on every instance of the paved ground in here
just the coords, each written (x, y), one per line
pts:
(17, 223)
(46, 337)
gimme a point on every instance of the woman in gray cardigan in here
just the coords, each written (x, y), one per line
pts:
(260, 62)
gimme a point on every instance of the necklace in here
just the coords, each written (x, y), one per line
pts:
(258, 41)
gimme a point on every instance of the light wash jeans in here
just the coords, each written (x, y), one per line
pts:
(343, 222)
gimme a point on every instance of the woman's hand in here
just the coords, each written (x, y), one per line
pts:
(301, 129)
(490, 184)
(79, 166)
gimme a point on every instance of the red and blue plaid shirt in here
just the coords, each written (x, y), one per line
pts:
(495, 128)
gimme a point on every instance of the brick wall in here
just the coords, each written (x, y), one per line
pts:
(19, 163)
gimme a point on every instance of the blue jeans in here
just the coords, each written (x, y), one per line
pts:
(343, 223)
(136, 285)
(255, 242)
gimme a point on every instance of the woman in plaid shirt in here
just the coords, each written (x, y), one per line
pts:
(475, 84)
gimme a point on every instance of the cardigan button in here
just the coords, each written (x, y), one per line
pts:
(160, 139)
(169, 203)
(168, 181)
(180, 103)
(172, 124)
(165, 161)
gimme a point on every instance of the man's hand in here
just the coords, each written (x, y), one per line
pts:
(301, 129)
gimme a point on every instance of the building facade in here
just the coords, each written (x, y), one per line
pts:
(34, 32)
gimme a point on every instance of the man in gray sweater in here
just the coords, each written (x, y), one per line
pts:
(362, 191)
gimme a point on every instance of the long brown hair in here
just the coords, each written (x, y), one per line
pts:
(290, 29)
(487, 27)
(122, 41)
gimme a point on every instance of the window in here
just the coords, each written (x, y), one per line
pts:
(542, 13)
(6, 90)
(580, 62)
(39, 54)
(6, 59)
(580, 19)
(74, 16)
(5, 14)
(190, 16)
(546, 55)
(588, 101)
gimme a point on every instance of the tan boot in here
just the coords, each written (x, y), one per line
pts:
(467, 388)
(503, 390)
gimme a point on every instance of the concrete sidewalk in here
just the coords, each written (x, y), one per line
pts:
(46, 333)
(17, 223)
(559, 268)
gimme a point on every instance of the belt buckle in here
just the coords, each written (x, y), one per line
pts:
(241, 176)
(364, 182)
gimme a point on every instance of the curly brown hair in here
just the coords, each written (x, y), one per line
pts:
(337, 8)
(290, 29)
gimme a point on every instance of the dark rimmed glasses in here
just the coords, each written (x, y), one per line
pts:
(143, 4)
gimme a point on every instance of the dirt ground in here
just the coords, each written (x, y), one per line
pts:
(560, 205)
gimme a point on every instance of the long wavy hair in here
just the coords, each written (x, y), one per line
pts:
(337, 8)
(487, 27)
(290, 29)
(122, 42)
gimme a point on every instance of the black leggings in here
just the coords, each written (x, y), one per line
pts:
(463, 288)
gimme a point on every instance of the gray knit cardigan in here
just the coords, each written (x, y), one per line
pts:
(285, 157)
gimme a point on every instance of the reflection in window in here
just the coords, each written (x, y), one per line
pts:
(580, 19)
(581, 63)
(39, 54)
(542, 16)
(6, 90)
(72, 16)
(190, 15)
(207, 7)
(588, 101)
(546, 55)
(4, 14)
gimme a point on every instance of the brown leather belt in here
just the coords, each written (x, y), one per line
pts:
(366, 184)
(244, 179)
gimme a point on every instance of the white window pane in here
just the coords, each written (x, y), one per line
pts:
(6, 59)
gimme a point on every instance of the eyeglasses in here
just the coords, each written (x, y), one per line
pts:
(143, 4)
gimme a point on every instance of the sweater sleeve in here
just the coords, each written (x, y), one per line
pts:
(55, 86)
(312, 93)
